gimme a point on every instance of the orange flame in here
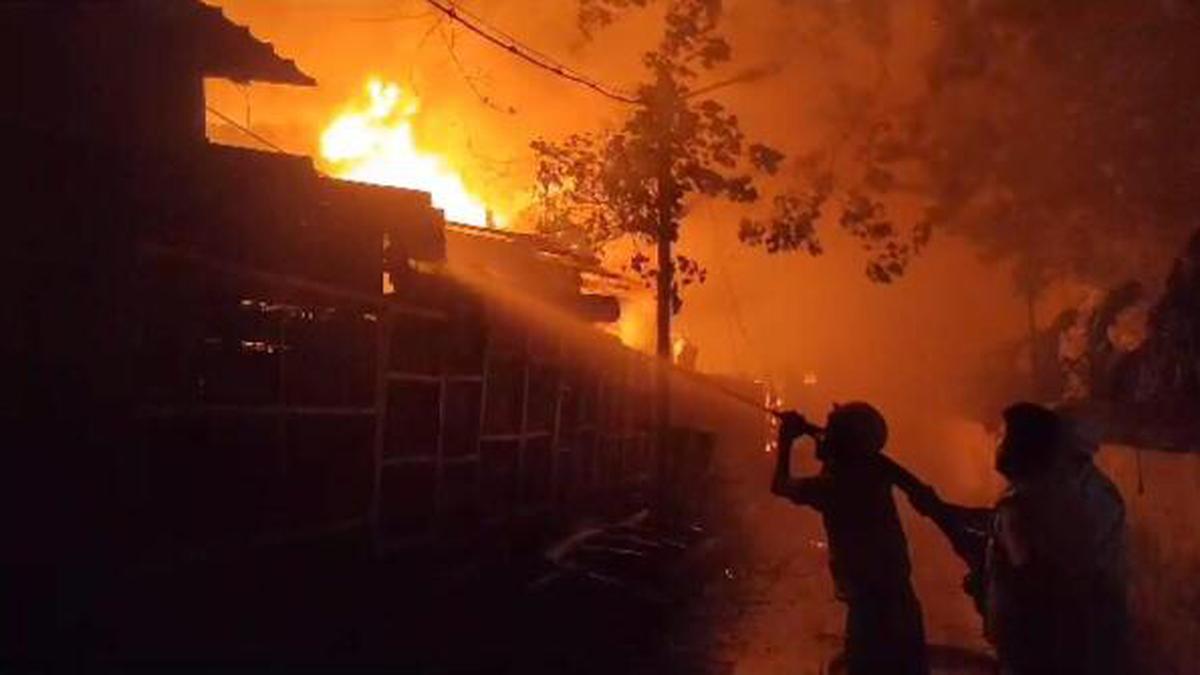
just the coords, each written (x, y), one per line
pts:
(635, 329)
(372, 142)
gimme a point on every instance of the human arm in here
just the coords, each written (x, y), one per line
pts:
(966, 527)
(807, 491)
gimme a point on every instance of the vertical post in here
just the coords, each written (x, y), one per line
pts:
(281, 400)
(383, 332)
(556, 478)
(662, 369)
(665, 280)
(663, 104)
(439, 482)
(527, 356)
(484, 326)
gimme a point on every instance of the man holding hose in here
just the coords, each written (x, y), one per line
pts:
(868, 550)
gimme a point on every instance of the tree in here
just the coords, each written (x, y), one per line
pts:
(635, 182)
(631, 182)
(1058, 136)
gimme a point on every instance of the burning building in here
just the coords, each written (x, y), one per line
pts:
(205, 358)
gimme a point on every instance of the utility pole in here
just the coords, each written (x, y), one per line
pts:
(665, 237)
(662, 365)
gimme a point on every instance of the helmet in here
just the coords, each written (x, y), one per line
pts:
(1032, 439)
(858, 425)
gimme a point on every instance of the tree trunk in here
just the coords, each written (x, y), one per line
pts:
(662, 379)
(665, 280)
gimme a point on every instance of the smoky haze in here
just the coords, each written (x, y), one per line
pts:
(795, 66)
(915, 346)
(802, 79)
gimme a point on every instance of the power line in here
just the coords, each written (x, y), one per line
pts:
(511, 45)
(509, 37)
(467, 77)
(232, 122)
(506, 41)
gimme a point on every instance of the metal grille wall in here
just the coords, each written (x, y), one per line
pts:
(273, 409)
(497, 433)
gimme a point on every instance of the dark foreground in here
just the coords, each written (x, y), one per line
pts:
(614, 601)
(624, 599)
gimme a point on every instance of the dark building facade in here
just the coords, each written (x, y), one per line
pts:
(202, 357)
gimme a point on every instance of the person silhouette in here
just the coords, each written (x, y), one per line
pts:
(1047, 562)
(868, 549)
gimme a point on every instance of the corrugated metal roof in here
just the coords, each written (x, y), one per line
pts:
(220, 47)
(231, 51)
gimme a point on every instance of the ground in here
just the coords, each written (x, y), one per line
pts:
(702, 600)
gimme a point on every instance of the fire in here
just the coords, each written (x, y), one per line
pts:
(373, 142)
(635, 328)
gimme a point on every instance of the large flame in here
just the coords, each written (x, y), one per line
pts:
(372, 142)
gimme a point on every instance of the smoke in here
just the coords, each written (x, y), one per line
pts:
(802, 76)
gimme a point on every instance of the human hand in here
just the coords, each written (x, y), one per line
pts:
(924, 499)
(792, 425)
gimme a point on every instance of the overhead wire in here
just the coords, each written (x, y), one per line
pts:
(448, 41)
(503, 34)
(549, 59)
(245, 130)
(510, 44)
